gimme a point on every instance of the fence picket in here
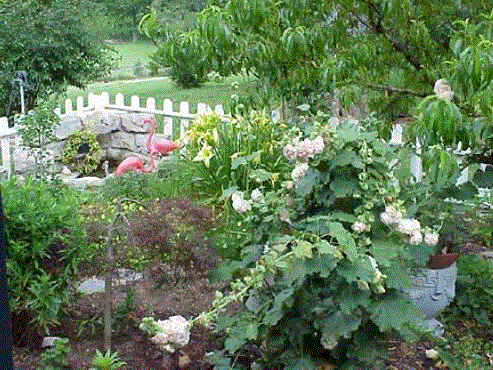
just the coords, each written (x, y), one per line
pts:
(168, 121)
(184, 110)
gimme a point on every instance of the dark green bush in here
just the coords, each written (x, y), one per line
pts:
(474, 290)
(45, 239)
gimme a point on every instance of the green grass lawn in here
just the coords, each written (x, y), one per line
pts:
(124, 80)
(130, 54)
(210, 93)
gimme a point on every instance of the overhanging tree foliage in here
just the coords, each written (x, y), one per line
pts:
(389, 51)
(49, 40)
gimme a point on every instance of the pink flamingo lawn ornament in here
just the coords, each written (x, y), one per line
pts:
(160, 147)
(133, 164)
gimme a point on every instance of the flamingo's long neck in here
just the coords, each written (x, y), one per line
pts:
(152, 164)
(152, 130)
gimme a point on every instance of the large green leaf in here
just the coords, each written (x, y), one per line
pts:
(358, 269)
(345, 158)
(384, 251)
(336, 325)
(345, 240)
(304, 186)
(393, 310)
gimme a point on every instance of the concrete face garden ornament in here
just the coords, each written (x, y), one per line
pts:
(432, 291)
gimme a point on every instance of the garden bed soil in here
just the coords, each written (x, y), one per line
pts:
(167, 289)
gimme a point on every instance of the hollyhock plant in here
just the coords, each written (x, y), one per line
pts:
(329, 253)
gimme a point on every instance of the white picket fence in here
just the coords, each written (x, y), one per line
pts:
(165, 110)
(102, 102)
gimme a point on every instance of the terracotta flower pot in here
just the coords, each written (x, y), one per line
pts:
(441, 261)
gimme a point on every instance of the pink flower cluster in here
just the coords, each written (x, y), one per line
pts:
(303, 150)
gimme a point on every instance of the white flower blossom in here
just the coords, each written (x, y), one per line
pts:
(416, 237)
(391, 216)
(431, 239)
(363, 285)
(303, 150)
(299, 171)
(173, 333)
(289, 185)
(408, 226)
(257, 196)
(240, 205)
(358, 227)
(290, 152)
(318, 145)
(443, 91)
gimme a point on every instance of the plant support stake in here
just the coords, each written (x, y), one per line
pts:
(110, 268)
(5, 325)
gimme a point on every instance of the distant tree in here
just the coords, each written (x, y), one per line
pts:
(47, 39)
(125, 14)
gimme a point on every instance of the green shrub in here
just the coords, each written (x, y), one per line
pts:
(183, 54)
(171, 178)
(36, 130)
(45, 243)
(474, 289)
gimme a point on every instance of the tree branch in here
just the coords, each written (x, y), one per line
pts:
(394, 90)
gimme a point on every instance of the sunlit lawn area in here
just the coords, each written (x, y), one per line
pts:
(210, 93)
(129, 55)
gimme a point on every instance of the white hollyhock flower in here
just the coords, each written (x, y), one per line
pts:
(408, 226)
(290, 152)
(299, 171)
(173, 333)
(416, 237)
(443, 91)
(358, 227)
(318, 145)
(363, 285)
(431, 239)
(391, 216)
(257, 196)
(386, 218)
(240, 205)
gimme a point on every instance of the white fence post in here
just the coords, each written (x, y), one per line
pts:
(5, 143)
(184, 110)
(168, 121)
